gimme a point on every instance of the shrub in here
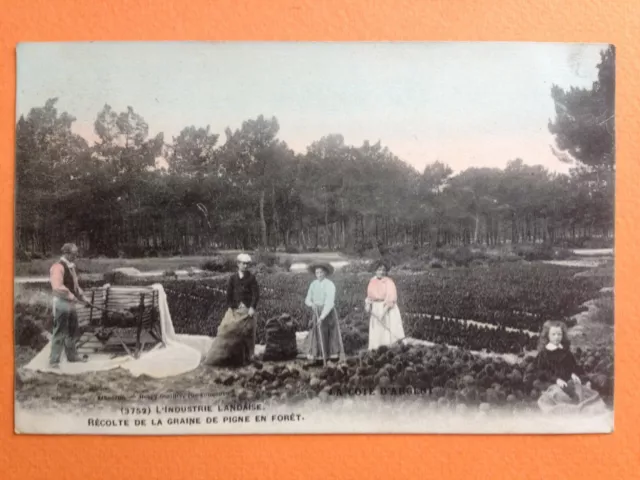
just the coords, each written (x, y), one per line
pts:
(604, 310)
(373, 254)
(28, 333)
(417, 265)
(358, 267)
(562, 254)
(261, 269)
(267, 258)
(500, 254)
(590, 243)
(219, 263)
(400, 254)
(458, 256)
(132, 250)
(22, 255)
(544, 251)
(435, 264)
(535, 252)
(598, 243)
(361, 248)
(286, 264)
(477, 262)
(116, 278)
(463, 256)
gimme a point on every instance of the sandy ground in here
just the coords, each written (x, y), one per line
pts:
(593, 251)
(80, 393)
(70, 393)
(579, 263)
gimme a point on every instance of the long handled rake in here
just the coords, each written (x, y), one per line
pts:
(365, 320)
(317, 320)
(342, 354)
(381, 322)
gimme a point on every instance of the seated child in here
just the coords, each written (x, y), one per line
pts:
(567, 394)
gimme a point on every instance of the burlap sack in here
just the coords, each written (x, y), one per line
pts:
(281, 339)
(235, 343)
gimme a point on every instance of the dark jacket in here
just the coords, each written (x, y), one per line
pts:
(242, 290)
(559, 363)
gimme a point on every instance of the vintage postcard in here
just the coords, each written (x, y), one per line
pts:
(246, 238)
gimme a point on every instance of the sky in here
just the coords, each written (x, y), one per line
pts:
(464, 104)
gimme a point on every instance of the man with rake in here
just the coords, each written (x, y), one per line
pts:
(324, 341)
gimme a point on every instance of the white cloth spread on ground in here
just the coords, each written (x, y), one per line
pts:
(179, 354)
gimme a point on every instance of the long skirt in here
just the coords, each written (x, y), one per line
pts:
(235, 342)
(556, 400)
(384, 330)
(331, 341)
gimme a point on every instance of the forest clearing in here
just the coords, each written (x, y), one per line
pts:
(484, 360)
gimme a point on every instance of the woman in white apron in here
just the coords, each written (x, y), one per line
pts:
(385, 322)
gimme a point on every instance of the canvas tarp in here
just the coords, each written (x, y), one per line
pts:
(179, 354)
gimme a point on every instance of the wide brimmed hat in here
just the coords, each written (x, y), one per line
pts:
(327, 267)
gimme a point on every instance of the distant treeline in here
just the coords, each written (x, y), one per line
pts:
(252, 191)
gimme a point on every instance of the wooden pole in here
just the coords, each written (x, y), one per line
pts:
(139, 329)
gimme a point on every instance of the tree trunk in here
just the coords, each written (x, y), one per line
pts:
(263, 223)
(326, 223)
(276, 220)
(476, 232)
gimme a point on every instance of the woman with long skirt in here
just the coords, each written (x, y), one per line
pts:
(323, 342)
(385, 321)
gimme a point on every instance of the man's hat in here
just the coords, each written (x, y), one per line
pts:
(327, 267)
(243, 257)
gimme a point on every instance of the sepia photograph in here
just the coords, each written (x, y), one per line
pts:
(314, 238)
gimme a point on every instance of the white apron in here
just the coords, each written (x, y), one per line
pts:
(387, 330)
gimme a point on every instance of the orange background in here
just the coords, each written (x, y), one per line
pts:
(343, 457)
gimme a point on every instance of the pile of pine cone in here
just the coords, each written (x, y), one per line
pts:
(281, 339)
